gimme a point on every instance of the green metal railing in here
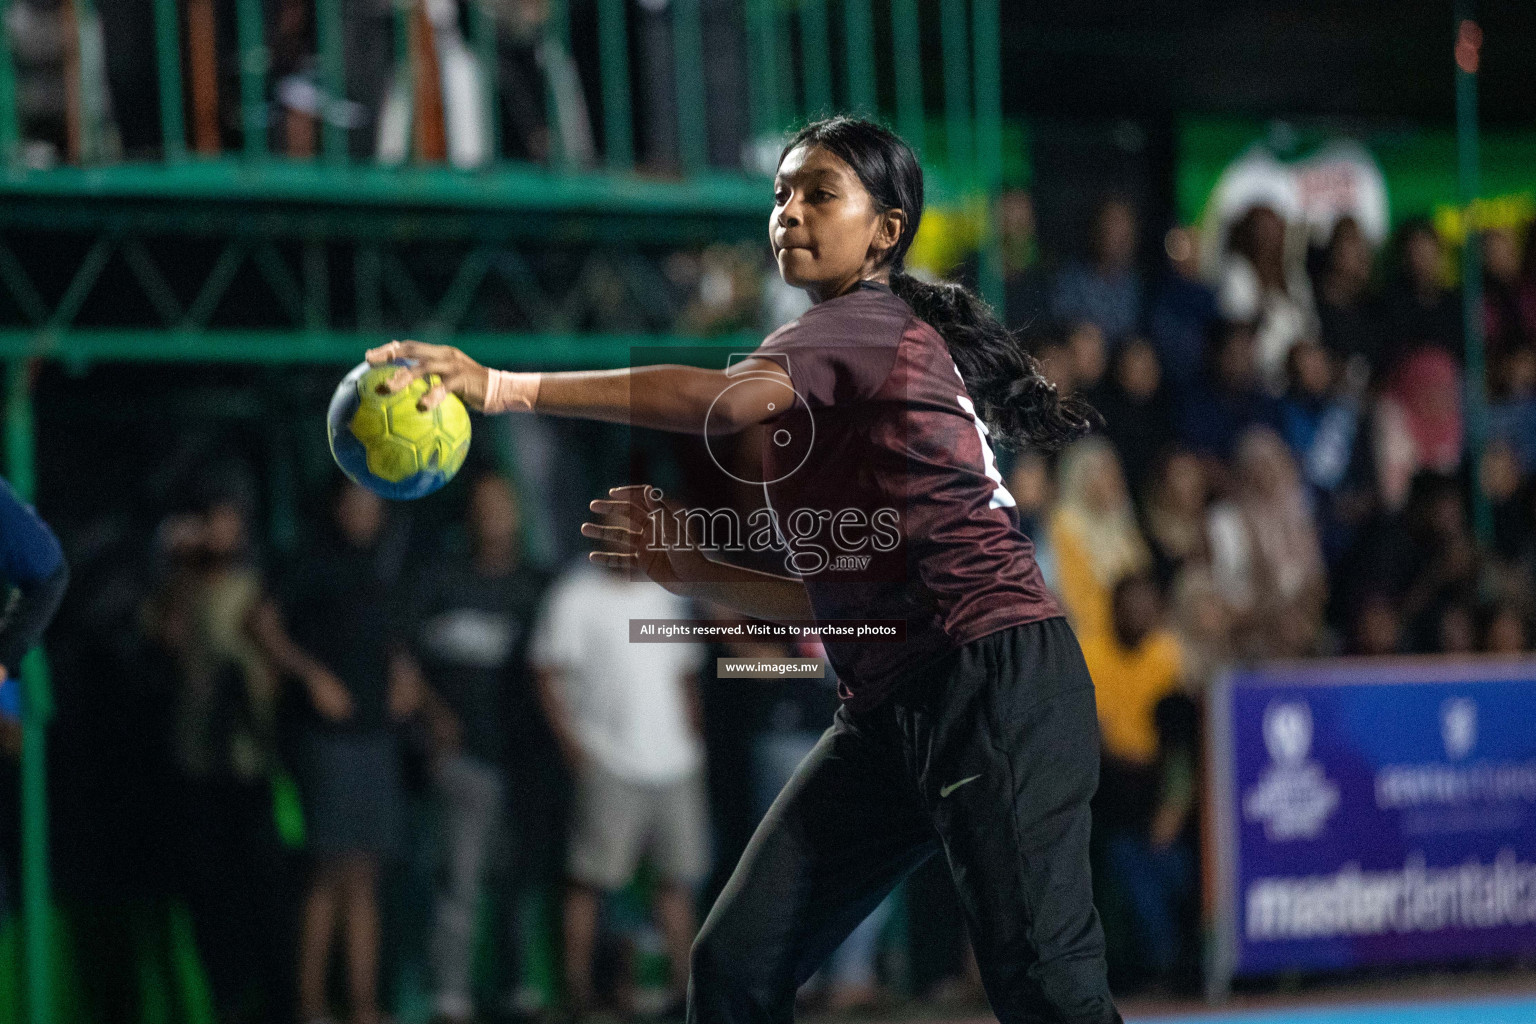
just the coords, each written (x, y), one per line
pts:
(803, 58)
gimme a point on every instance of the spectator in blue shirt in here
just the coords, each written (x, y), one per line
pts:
(1106, 292)
(33, 572)
(1229, 398)
(1181, 318)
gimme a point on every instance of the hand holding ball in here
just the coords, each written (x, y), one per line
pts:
(383, 440)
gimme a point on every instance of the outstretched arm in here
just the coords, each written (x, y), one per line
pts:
(684, 399)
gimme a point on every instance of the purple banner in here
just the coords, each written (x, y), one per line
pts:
(1373, 813)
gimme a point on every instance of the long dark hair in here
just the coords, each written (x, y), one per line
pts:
(1012, 396)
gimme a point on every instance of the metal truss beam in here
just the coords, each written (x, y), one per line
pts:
(511, 351)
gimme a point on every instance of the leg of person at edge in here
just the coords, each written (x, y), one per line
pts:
(977, 735)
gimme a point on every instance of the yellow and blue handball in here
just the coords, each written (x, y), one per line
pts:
(381, 440)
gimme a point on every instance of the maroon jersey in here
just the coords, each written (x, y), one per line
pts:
(886, 492)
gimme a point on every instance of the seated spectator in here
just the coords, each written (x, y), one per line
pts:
(1261, 286)
(1319, 429)
(1345, 315)
(1417, 307)
(1512, 404)
(1265, 553)
(1182, 317)
(1174, 514)
(1026, 287)
(1105, 291)
(1094, 534)
(1436, 563)
(1320, 418)
(1134, 664)
(1507, 631)
(1089, 354)
(1456, 631)
(1504, 329)
(1229, 398)
(1508, 494)
(628, 722)
(1147, 793)
(1377, 627)
(1137, 410)
(1204, 628)
(1525, 293)
(1418, 424)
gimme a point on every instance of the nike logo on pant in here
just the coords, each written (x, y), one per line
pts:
(956, 785)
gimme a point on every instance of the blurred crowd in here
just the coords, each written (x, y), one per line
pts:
(1286, 470)
(430, 777)
(463, 82)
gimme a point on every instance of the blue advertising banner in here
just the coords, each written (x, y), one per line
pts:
(1373, 813)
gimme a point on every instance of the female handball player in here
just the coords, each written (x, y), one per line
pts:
(977, 734)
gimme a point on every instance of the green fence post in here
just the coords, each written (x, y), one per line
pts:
(815, 58)
(253, 78)
(38, 708)
(483, 23)
(173, 128)
(768, 75)
(1469, 39)
(10, 120)
(557, 34)
(987, 47)
(333, 77)
(613, 51)
(957, 87)
(859, 28)
(688, 62)
(907, 59)
(91, 81)
(757, 77)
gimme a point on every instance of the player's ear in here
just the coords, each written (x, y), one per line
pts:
(888, 231)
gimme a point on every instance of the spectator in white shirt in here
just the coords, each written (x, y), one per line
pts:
(626, 716)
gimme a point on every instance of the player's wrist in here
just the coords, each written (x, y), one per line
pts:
(507, 391)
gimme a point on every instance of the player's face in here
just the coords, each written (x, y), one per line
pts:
(826, 231)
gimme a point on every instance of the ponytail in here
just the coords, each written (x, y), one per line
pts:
(1019, 406)
(1015, 401)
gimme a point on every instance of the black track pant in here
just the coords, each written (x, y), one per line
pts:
(993, 760)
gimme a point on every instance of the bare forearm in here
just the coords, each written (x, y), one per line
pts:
(759, 595)
(676, 398)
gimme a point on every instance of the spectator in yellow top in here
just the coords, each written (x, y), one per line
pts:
(1134, 665)
(1094, 535)
(1142, 814)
